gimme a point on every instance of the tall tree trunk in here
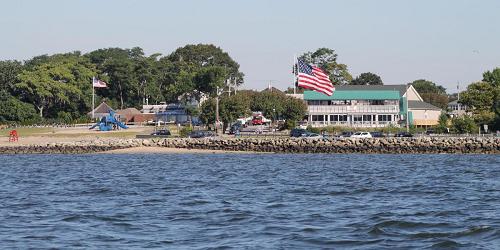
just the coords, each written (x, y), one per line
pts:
(121, 95)
(40, 108)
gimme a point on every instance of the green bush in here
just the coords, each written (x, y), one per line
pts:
(184, 132)
(464, 124)
(313, 130)
(12, 109)
(290, 124)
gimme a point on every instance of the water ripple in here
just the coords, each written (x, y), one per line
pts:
(255, 201)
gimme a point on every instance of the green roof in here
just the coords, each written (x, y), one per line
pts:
(353, 95)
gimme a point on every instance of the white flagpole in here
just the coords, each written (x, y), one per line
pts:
(295, 74)
(93, 97)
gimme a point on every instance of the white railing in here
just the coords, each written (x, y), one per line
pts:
(344, 109)
(374, 124)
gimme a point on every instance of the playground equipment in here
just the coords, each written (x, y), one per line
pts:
(109, 122)
(13, 136)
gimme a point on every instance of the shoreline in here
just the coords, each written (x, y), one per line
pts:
(165, 150)
(419, 145)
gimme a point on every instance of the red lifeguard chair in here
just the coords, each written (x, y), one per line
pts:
(13, 136)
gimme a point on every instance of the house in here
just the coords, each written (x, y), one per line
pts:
(129, 115)
(369, 106)
(175, 113)
(101, 111)
(456, 109)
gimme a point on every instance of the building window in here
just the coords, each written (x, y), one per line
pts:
(367, 118)
(338, 118)
(377, 102)
(384, 118)
(318, 118)
(357, 118)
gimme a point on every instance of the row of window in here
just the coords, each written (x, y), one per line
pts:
(457, 107)
(355, 118)
(353, 102)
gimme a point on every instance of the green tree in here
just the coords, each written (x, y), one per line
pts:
(206, 55)
(326, 59)
(492, 77)
(62, 82)
(12, 109)
(9, 70)
(442, 126)
(479, 96)
(431, 93)
(231, 108)
(208, 111)
(294, 110)
(117, 68)
(367, 79)
(464, 124)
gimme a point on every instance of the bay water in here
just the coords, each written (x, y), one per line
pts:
(250, 201)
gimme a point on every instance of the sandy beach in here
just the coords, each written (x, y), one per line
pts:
(163, 150)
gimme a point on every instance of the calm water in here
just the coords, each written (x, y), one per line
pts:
(256, 201)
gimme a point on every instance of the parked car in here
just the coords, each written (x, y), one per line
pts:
(362, 135)
(377, 134)
(346, 134)
(164, 132)
(430, 132)
(311, 135)
(201, 134)
(403, 134)
(297, 132)
(235, 127)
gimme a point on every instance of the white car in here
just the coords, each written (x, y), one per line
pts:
(361, 135)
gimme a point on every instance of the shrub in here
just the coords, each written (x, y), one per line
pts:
(313, 130)
(184, 132)
(464, 124)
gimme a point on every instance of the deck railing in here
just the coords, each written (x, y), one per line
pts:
(348, 109)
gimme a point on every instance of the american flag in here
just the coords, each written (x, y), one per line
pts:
(313, 78)
(96, 83)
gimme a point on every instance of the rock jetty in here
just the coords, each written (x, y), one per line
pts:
(418, 145)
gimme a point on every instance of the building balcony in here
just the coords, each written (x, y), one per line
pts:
(374, 124)
(350, 109)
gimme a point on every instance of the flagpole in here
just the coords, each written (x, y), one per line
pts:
(294, 74)
(93, 97)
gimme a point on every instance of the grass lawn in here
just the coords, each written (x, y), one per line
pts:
(26, 131)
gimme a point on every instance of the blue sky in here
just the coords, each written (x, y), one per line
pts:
(445, 41)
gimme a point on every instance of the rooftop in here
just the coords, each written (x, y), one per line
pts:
(352, 94)
(421, 105)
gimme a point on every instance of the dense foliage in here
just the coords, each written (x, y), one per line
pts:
(59, 86)
(273, 105)
(483, 99)
(367, 78)
(431, 93)
(326, 59)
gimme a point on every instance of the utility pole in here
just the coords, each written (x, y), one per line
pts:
(218, 93)
(407, 112)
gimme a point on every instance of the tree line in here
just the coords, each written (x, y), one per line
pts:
(482, 98)
(58, 87)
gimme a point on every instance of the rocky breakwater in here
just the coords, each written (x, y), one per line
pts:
(418, 145)
(78, 147)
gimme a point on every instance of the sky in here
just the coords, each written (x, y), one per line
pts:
(449, 42)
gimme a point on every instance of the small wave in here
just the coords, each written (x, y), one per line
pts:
(446, 244)
(194, 203)
(474, 230)
(407, 224)
(38, 237)
(276, 205)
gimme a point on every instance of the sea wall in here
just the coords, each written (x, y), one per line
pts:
(82, 147)
(419, 145)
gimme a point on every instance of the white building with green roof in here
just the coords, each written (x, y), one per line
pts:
(369, 106)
